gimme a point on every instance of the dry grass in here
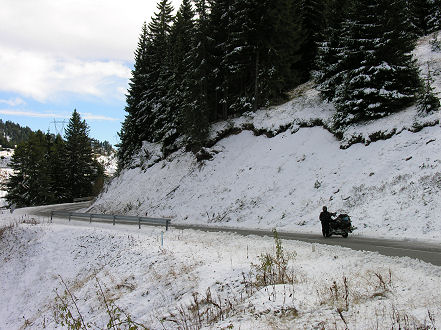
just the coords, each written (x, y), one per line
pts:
(5, 229)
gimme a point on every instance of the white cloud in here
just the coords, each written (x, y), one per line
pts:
(44, 77)
(98, 29)
(34, 114)
(49, 47)
(12, 112)
(91, 116)
(13, 102)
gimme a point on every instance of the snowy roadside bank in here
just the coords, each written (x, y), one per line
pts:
(157, 285)
(390, 188)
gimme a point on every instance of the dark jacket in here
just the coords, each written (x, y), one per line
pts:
(326, 216)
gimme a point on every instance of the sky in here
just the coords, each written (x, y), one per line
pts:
(61, 55)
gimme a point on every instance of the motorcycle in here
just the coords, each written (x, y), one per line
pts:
(341, 225)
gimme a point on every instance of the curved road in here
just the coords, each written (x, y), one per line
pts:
(430, 253)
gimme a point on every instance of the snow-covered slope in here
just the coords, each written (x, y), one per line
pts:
(5, 172)
(169, 287)
(390, 187)
(109, 163)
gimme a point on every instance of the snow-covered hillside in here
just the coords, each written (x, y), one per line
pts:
(109, 163)
(192, 283)
(390, 187)
(5, 172)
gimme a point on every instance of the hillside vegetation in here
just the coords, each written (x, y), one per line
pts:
(12, 134)
(219, 59)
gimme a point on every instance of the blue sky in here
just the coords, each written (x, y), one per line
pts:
(61, 55)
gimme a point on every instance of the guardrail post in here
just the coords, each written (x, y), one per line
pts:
(90, 218)
(70, 215)
(114, 218)
(139, 222)
(52, 213)
(167, 222)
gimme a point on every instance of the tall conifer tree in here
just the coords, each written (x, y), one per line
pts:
(134, 128)
(196, 111)
(181, 40)
(160, 74)
(82, 169)
(379, 74)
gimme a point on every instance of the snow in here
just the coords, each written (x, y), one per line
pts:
(427, 58)
(390, 188)
(5, 157)
(109, 162)
(152, 283)
(304, 109)
(5, 173)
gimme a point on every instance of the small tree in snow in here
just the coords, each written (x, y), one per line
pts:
(427, 100)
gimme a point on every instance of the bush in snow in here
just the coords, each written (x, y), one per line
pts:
(274, 269)
(428, 101)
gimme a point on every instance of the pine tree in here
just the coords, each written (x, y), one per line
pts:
(328, 62)
(181, 40)
(160, 75)
(32, 182)
(46, 194)
(285, 47)
(434, 17)
(219, 25)
(134, 130)
(58, 169)
(12, 134)
(239, 59)
(312, 23)
(425, 15)
(17, 186)
(196, 111)
(48, 171)
(379, 75)
(427, 99)
(38, 180)
(81, 168)
(419, 11)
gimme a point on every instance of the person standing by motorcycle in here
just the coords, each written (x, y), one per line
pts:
(325, 219)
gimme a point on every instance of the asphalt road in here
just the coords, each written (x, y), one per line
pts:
(430, 253)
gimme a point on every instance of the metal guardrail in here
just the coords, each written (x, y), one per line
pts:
(120, 219)
(83, 199)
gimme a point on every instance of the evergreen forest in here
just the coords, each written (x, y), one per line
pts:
(216, 59)
(49, 169)
(12, 134)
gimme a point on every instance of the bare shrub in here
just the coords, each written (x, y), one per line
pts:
(6, 228)
(274, 269)
(66, 312)
(344, 293)
(403, 321)
(205, 309)
(216, 305)
(339, 295)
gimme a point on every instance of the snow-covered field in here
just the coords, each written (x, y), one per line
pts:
(197, 276)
